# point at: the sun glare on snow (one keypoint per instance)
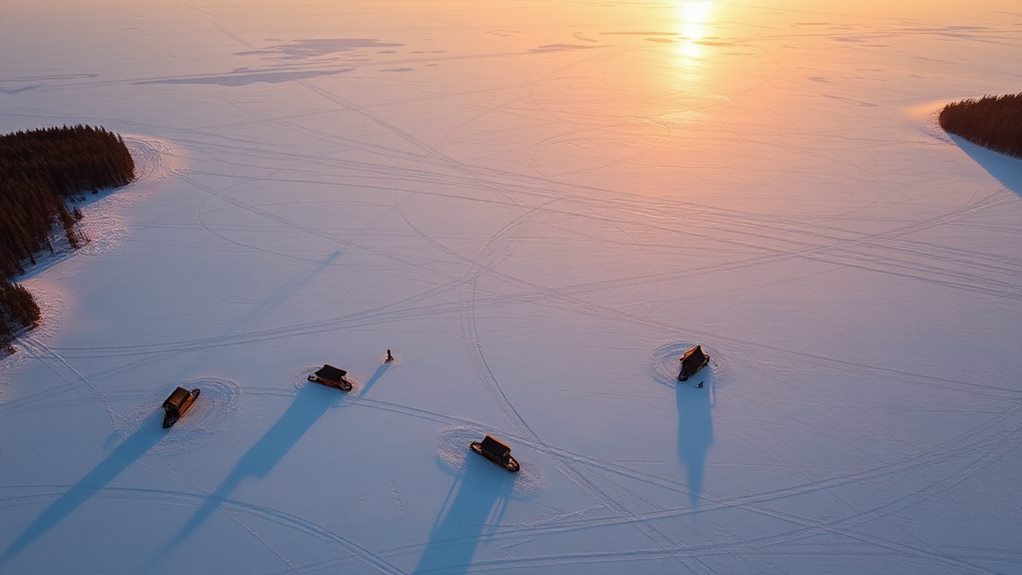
(694, 20)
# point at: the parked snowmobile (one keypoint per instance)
(331, 376)
(179, 402)
(692, 361)
(496, 451)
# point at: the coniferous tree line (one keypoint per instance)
(994, 122)
(39, 171)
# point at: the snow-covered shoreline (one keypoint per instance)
(537, 229)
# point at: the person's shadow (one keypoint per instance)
(374, 378)
(312, 401)
(1006, 169)
(695, 429)
(480, 495)
(130, 450)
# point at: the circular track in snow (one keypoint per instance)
(216, 408)
(455, 457)
(154, 158)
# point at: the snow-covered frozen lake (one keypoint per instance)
(538, 205)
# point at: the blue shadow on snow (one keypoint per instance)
(129, 451)
(480, 495)
(1007, 169)
(312, 401)
(695, 429)
(374, 378)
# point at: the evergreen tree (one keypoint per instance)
(994, 122)
(40, 170)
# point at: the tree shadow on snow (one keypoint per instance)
(238, 329)
(480, 495)
(312, 401)
(260, 311)
(1007, 169)
(695, 429)
(149, 434)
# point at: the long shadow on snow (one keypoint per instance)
(134, 447)
(309, 405)
(695, 429)
(480, 495)
(1007, 169)
(277, 298)
(372, 380)
(260, 311)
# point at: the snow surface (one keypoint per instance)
(537, 205)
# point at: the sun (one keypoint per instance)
(694, 20)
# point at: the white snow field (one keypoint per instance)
(538, 205)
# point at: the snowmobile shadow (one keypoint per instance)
(480, 496)
(1006, 169)
(695, 428)
(130, 450)
(312, 401)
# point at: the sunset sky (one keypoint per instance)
(538, 206)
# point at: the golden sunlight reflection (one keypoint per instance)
(693, 25)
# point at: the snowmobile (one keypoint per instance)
(692, 361)
(179, 402)
(496, 451)
(331, 376)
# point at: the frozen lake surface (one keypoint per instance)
(538, 206)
